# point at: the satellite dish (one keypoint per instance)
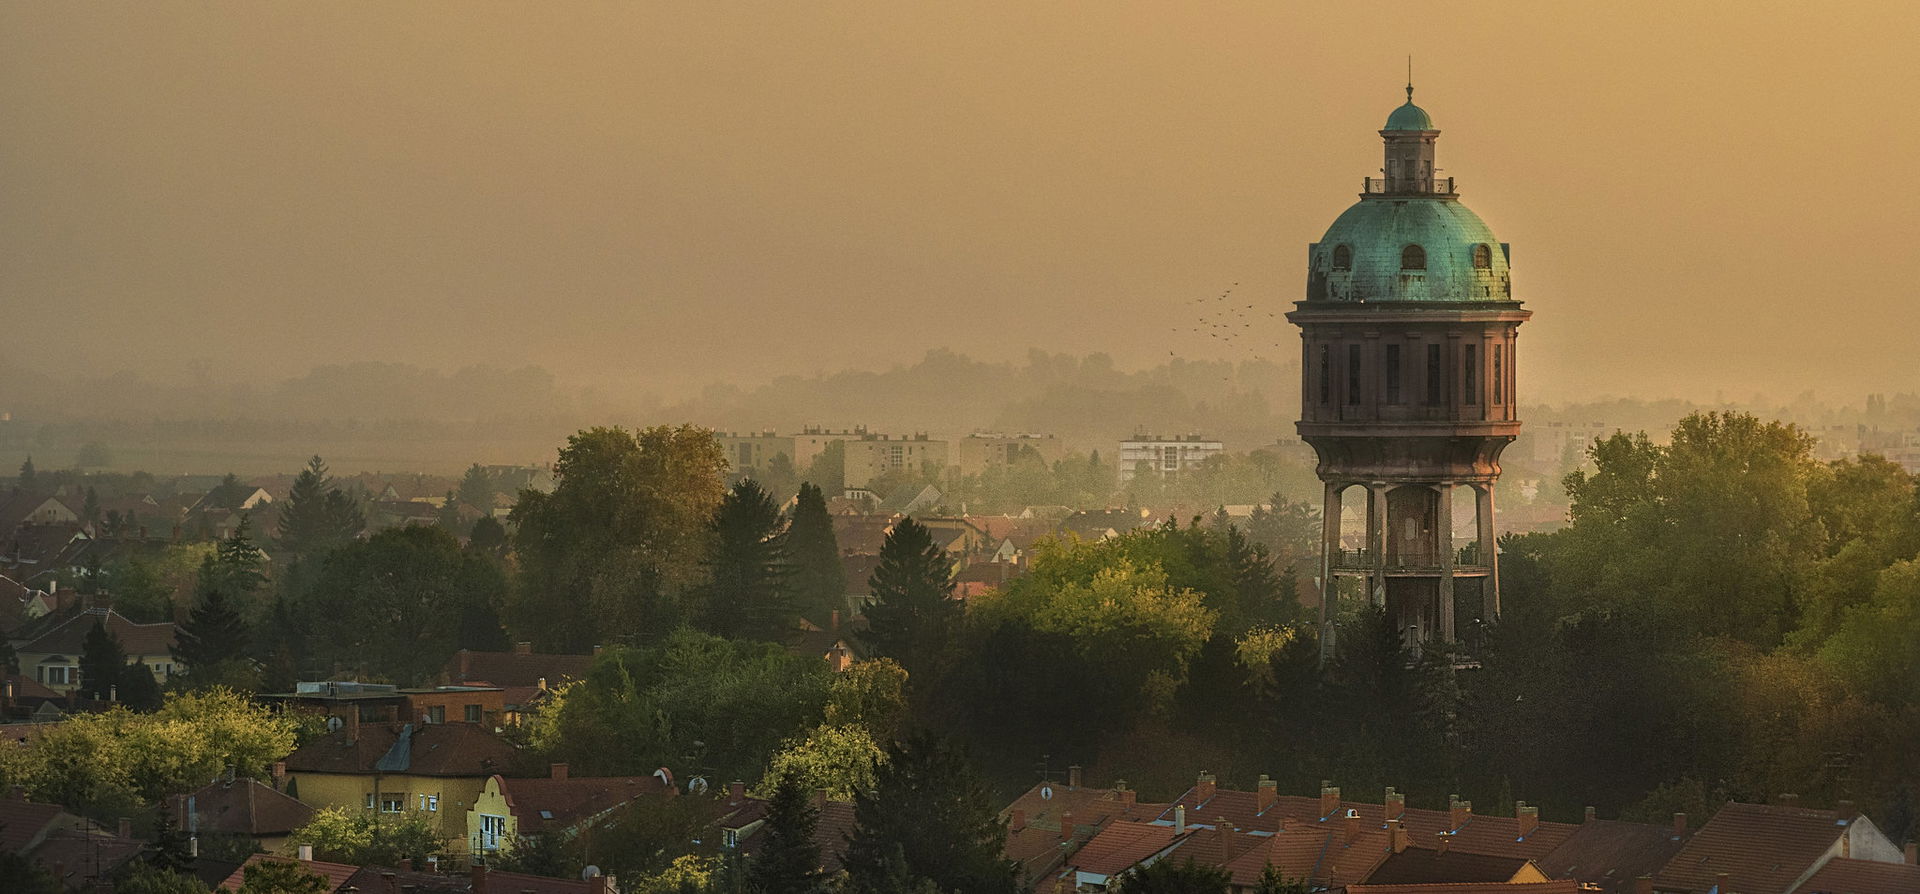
(591, 871)
(1046, 793)
(664, 775)
(697, 785)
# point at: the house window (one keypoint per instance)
(1413, 257)
(473, 713)
(430, 803)
(1353, 374)
(1170, 459)
(57, 675)
(1482, 257)
(1433, 375)
(1342, 258)
(1326, 376)
(437, 714)
(1498, 381)
(393, 803)
(369, 800)
(1470, 374)
(492, 829)
(1393, 374)
(730, 838)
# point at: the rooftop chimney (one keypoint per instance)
(1589, 815)
(1913, 853)
(478, 877)
(1073, 776)
(279, 774)
(1679, 826)
(736, 792)
(1127, 795)
(406, 864)
(1179, 819)
(1066, 825)
(1458, 812)
(1396, 804)
(1266, 793)
(1643, 885)
(125, 828)
(1789, 800)
(1017, 821)
(1203, 788)
(1720, 883)
(351, 723)
(557, 771)
(306, 854)
(1845, 809)
(1440, 845)
(833, 622)
(1353, 825)
(1396, 835)
(523, 648)
(1329, 800)
(1226, 830)
(1529, 818)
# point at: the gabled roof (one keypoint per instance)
(24, 823)
(1421, 866)
(543, 805)
(862, 534)
(336, 874)
(1761, 848)
(1848, 876)
(1321, 856)
(434, 749)
(68, 636)
(247, 807)
(1122, 845)
(1557, 886)
(17, 506)
(1609, 854)
(1479, 834)
(510, 669)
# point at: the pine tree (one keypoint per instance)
(101, 660)
(449, 516)
(913, 613)
(477, 488)
(1168, 877)
(930, 815)
(28, 477)
(748, 596)
(789, 861)
(819, 581)
(306, 523)
(170, 850)
(139, 691)
(235, 566)
(90, 508)
(214, 632)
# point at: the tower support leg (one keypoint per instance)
(1329, 559)
(1489, 553)
(1443, 533)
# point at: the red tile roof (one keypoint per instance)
(434, 749)
(336, 874)
(23, 823)
(514, 669)
(1421, 866)
(1479, 834)
(1608, 854)
(69, 635)
(545, 804)
(1121, 845)
(1846, 876)
(1558, 886)
(1762, 849)
(247, 807)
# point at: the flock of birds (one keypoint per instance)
(1234, 327)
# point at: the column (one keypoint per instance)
(1489, 553)
(1444, 533)
(1377, 542)
(1329, 555)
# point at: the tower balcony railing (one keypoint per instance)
(1468, 558)
(1378, 186)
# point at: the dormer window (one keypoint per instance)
(1482, 257)
(1413, 257)
(1342, 258)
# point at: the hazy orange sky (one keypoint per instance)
(1700, 197)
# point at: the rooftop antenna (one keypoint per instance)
(1409, 78)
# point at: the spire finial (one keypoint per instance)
(1409, 77)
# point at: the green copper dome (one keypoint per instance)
(1409, 117)
(1389, 248)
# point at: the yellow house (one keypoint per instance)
(510, 808)
(394, 769)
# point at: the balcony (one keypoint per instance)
(1377, 186)
(1467, 562)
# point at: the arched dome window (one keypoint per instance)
(1413, 257)
(1482, 257)
(1342, 258)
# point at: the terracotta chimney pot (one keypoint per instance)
(1529, 817)
(523, 648)
(1643, 885)
(1440, 845)
(1266, 793)
(1396, 835)
(557, 771)
(1396, 804)
(1066, 826)
(736, 792)
(1458, 812)
(1203, 788)
(1329, 800)
(1679, 826)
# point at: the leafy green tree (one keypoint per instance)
(788, 861)
(931, 815)
(913, 615)
(1168, 877)
(144, 878)
(477, 488)
(1877, 642)
(840, 760)
(398, 602)
(616, 549)
(340, 835)
(280, 877)
(101, 660)
(449, 516)
(819, 581)
(748, 594)
(488, 536)
(829, 468)
(870, 694)
(1273, 882)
